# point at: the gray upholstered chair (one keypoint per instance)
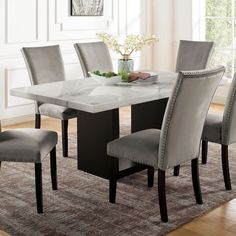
(45, 65)
(221, 129)
(93, 56)
(31, 145)
(179, 139)
(193, 55)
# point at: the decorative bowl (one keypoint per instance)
(106, 80)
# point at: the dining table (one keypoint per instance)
(98, 114)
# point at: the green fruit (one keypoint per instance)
(124, 76)
(110, 74)
(97, 72)
(105, 74)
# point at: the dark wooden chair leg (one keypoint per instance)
(38, 187)
(162, 195)
(225, 166)
(37, 121)
(64, 129)
(196, 181)
(53, 164)
(204, 151)
(150, 174)
(0, 164)
(113, 181)
(176, 170)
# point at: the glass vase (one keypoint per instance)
(125, 64)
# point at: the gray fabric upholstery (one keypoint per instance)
(220, 129)
(213, 128)
(26, 145)
(182, 126)
(185, 116)
(193, 55)
(229, 117)
(141, 147)
(58, 112)
(93, 56)
(45, 65)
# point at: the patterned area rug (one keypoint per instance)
(81, 207)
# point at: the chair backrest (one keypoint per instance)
(93, 56)
(193, 55)
(229, 117)
(44, 64)
(185, 116)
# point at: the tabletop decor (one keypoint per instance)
(132, 43)
(143, 77)
(105, 78)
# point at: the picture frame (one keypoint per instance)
(87, 7)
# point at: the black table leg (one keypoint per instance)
(95, 130)
(148, 115)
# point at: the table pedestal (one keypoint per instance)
(148, 115)
(95, 130)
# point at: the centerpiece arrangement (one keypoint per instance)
(110, 78)
(132, 43)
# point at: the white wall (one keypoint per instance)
(182, 11)
(172, 21)
(162, 12)
(47, 22)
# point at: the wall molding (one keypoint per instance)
(6, 90)
(7, 40)
(62, 26)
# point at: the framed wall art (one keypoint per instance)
(87, 7)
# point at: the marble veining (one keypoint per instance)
(90, 96)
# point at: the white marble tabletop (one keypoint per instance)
(90, 96)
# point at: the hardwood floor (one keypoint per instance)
(3, 233)
(218, 222)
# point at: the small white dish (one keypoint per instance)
(106, 81)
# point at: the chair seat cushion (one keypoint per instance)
(213, 128)
(140, 147)
(26, 145)
(58, 112)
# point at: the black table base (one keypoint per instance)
(148, 115)
(95, 130)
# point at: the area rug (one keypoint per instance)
(81, 207)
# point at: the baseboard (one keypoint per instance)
(17, 120)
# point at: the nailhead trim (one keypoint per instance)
(228, 113)
(183, 75)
